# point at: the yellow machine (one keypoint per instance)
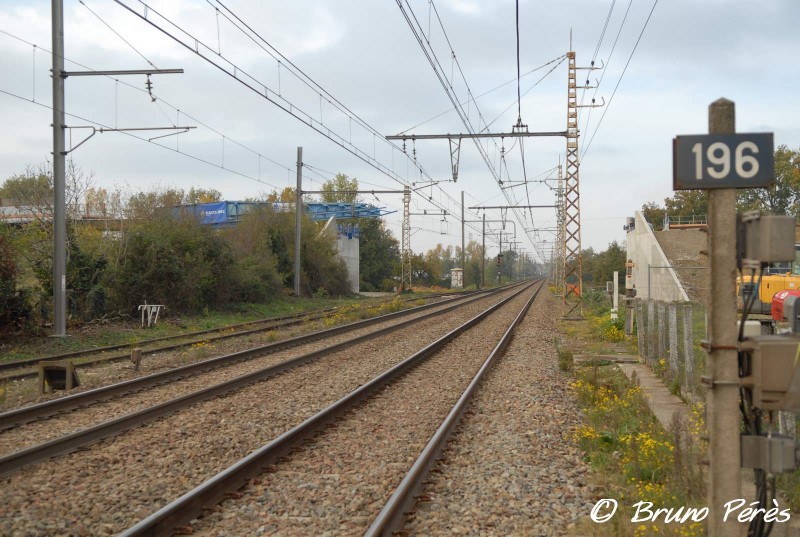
(782, 277)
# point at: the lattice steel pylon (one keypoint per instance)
(560, 232)
(573, 264)
(405, 254)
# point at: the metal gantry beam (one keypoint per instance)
(518, 131)
(512, 207)
(460, 136)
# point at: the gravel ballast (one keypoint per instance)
(341, 480)
(114, 483)
(80, 418)
(513, 468)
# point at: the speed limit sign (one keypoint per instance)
(723, 161)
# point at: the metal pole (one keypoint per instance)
(483, 253)
(59, 198)
(463, 256)
(500, 267)
(298, 220)
(723, 394)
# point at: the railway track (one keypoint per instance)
(26, 369)
(311, 479)
(56, 440)
(123, 479)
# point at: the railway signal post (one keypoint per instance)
(721, 162)
(724, 450)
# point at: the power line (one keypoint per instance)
(561, 58)
(320, 90)
(126, 133)
(594, 55)
(118, 34)
(433, 59)
(605, 69)
(196, 46)
(655, 3)
(474, 99)
(173, 107)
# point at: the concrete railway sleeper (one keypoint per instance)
(84, 437)
(348, 412)
(10, 370)
(16, 417)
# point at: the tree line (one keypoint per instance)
(782, 198)
(125, 250)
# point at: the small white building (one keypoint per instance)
(457, 278)
(347, 246)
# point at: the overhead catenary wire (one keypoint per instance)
(594, 55)
(137, 51)
(474, 99)
(497, 176)
(605, 69)
(173, 107)
(414, 25)
(608, 104)
(126, 133)
(196, 46)
(308, 81)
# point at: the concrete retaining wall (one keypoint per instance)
(650, 276)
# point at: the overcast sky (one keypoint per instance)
(365, 55)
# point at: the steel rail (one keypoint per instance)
(78, 439)
(29, 413)
(16, 364)
(392, 517)
(277, 322)
(213, 490)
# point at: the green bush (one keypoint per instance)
(175, 262)
(14, 302)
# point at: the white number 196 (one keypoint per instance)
(718, 155)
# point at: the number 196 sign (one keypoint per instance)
(723, 161)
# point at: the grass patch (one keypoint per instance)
(633, 456)
(130, 331)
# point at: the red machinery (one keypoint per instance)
(786, 307)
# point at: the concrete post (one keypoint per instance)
(651, 322)
(640, 329)
(662, 331)
(630, 316)
(615, 297)
(688, 349)
(672, 323)
(724, 452)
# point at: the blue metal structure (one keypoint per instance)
(228, 213)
